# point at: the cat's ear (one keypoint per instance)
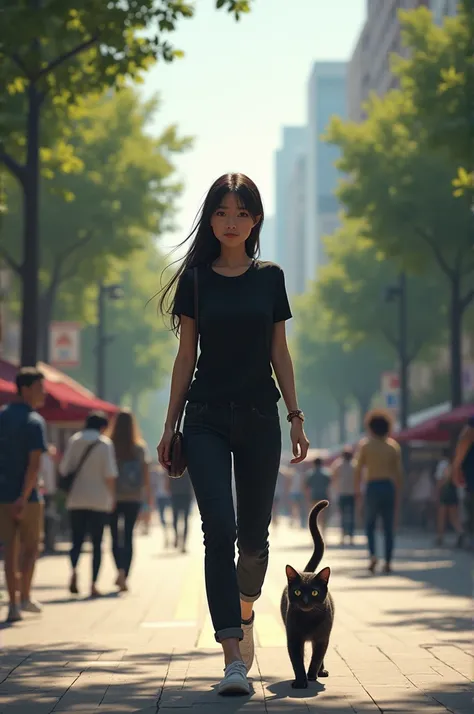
(324, 575)
(292, 574)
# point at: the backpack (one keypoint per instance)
(130, 478)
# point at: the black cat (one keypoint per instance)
(307, 609)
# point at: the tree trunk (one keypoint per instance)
(29, 318)
(456, 341)
(46, 308)
(363, 402)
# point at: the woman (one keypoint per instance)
(232, 404)
(181, 492)
(447, 500)
(343, 482)
(380, 459)
(133, 485)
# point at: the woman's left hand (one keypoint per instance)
(299, 441)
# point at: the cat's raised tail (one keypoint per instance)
(318, 541)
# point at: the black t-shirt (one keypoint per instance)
(236, 319)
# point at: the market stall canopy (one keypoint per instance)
(440, 428)
(66, 399)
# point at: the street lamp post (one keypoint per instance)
(113, 292)
(399, 292)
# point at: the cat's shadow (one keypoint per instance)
(284, 690)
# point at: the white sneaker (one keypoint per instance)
(31, 606)
(235, 679)
(247, 647)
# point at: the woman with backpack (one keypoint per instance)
(133, 481)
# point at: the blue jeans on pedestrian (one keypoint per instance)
(380, 502)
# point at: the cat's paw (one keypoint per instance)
(300, 684)
(311, 676)
(323, 673)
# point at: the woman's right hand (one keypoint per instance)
(163, 448)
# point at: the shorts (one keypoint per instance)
(27, 528)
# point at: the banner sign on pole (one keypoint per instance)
(391, 390)
(64, 347)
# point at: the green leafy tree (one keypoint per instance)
(52, 53)
(402, 189)
(355, 285)
(139, 351)
(331, 373)
(439, 78)
(124, 195)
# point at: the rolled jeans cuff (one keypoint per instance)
(228, 633)
(249, 598)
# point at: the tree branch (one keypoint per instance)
(67, 56)
(438, 254)
(16, 267)
(19, 62)
(12, 165)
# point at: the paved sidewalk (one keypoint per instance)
(401, 643)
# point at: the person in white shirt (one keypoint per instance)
(91, 498)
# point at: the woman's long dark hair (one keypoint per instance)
(125, 435)
(205, 248)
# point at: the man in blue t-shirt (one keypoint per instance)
(22, 441)
(463, 474)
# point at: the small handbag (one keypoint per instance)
(177, 455)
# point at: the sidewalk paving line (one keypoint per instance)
(190, 601)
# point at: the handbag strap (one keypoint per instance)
(196, 342)
(85, 456)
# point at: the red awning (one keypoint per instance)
(438, 429)
(66, 400)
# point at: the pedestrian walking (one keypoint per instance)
(242, 307)
(22, 442)
(297, 498)
(181, 491)
(132, 488)
(161, 489)
(343, 480)
(379, 460)
(317, 489)
(447, 500)
(48, 480)
(463, 473)
(91, 499)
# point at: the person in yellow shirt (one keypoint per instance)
(379, 462)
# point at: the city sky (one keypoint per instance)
(239, 83)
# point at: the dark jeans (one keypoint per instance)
(181, 505)
(469, 508)
(85, 522)
(380, 501)
(347, 509)
(212, 434)
(162, 503)
(50, 526)
(122, 523)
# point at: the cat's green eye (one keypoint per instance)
(315, 593)
(297, 593)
